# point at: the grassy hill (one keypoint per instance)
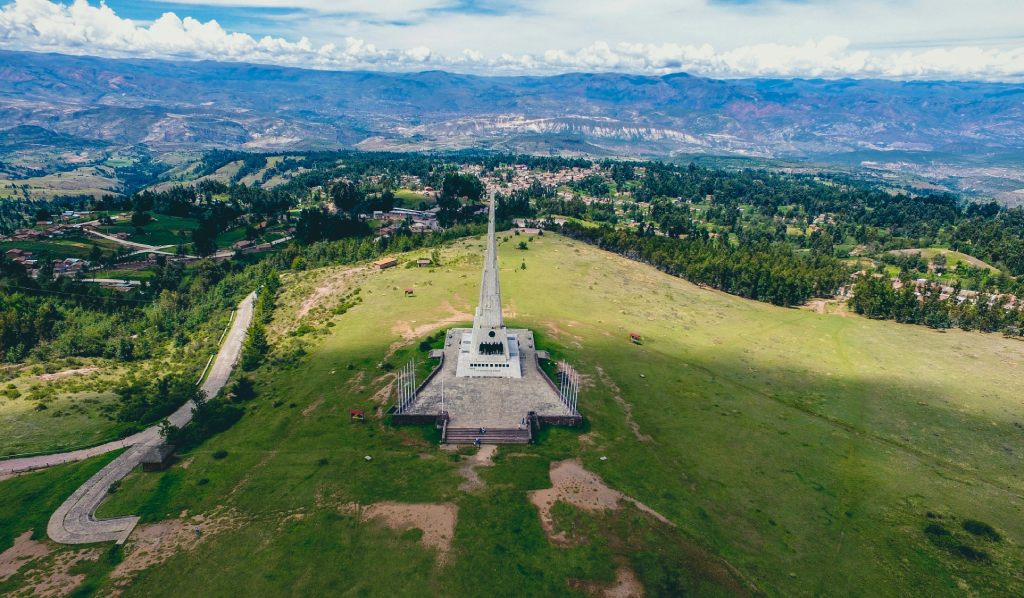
(796, 453)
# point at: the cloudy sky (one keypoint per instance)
(901, 39)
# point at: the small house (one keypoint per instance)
(388, 262)
(409, 292)
(423, 262)
(635, 338)
(158, 457)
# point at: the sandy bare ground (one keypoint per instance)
(55, 578)
(626, 585)
(436, 520)
(154, 543)
(331, 287)
(25, 550)
(67, 374)
(607, 382)
(482, 458)
(574, 485)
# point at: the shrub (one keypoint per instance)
(243, 390)
(981, 529)
(220, 454)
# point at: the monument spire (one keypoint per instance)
(488, 312)
(489, 349)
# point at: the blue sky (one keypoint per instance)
(900, 39)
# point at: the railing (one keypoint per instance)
(569, 388)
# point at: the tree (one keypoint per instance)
(140, 219)
(204, 237)
(255, 347)
(243, 390)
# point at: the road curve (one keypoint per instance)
(75, 521)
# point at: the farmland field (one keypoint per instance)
(816, 454)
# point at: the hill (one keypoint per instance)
(932, 130)
(796, 453)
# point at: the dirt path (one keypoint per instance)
(610, 384)
(483, 458)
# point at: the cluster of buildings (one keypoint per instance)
(420, 221)
(921, 285)
(69, 266)
(519, 176)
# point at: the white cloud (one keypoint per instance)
(84, 28)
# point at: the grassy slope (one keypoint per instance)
(953, 258)
(804, 448)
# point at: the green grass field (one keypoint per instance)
(61, 248)
(407, 198)
(809, 451)
(163, 230)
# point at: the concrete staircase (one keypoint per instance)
(492, 436)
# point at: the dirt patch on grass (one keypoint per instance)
(626, 406)
(154, 543)
(330, 287)
(483, 458)
(56, 578)
(409, 333)
(574, 485)
(312, 406)
(67, 374)
(436, 521)
(25, 549)
(626, 585)
(382, 395)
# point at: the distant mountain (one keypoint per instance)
(169, 105)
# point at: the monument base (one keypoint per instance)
(488, 366)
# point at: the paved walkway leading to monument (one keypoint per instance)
(75, 521)
(489, 402)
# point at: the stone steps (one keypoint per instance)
(492, 436)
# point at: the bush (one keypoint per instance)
(220, 454)
(243, 390)
(981, 529)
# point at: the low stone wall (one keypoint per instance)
(570, 421)
(413, 419)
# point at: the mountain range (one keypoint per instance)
(172, 105)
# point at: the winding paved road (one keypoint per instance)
(75, 521)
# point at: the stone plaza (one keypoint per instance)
(489, 386)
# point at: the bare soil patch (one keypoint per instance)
(436, 520)
(67, 374)
(56, 579)
(154, 543)
(25, 549)
(626, 585)
(574, 485)
(333, 286)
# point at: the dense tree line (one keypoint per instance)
(765, 271)
(875, 297)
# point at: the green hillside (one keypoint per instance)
(796, 453)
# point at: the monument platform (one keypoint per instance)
(494, 403)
